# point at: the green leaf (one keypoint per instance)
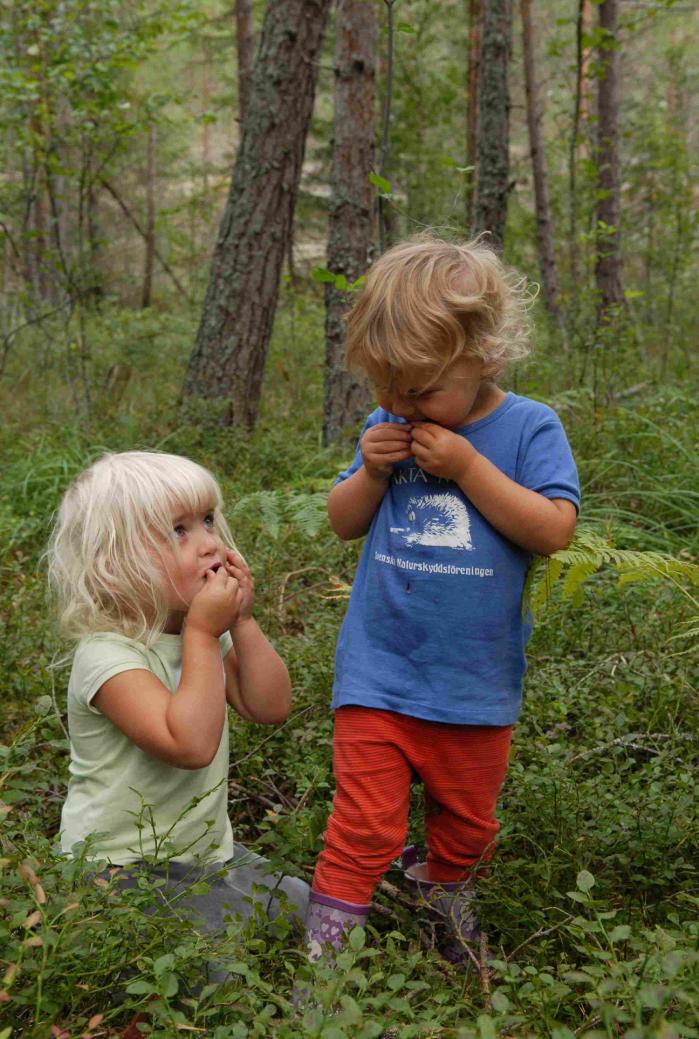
(500, 1002)
(357, 938)
(585, 881)
(163, 963)
(381, 183)
(169, 985)
(140, 987)
(619, 933)
(486, 1027)
(322, 274)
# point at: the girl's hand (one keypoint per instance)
(239, 570)
(383, 445)
(216, 608)
(440, 451)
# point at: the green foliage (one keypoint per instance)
(590, 906)
(601, 784)
(587, 554)
(273, 509)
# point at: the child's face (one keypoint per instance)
(449, 402)
(199, 548)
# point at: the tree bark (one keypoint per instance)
(580, 107)
(475, 29)
(544, 223)
(245, 40)
(149, 258)
(492, 168)
(351, 215)
(608, 269)
(231, 346)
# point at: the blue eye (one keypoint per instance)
(179, 531)
(209, 520)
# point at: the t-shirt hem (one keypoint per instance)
(426, 712)
(557, 492)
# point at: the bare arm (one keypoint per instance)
(352, 503)
(538, 524)
(257, 681)
(258, 687)
(181, 728)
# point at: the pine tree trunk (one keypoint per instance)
(608, 270)
(149, 258)
(351, 215)
(492, 173)
(245, 40)
(231, 346)
(580, 111)
(475, 29)
(544, 223)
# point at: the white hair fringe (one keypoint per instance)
(109, 533)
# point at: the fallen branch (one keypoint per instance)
(630, 740)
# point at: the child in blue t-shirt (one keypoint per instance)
(456, 484)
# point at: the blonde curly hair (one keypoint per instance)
(111, 531)
(428, 302)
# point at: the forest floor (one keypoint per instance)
(590, 910)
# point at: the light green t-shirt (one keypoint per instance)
(137, 804)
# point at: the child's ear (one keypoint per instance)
(491, 369)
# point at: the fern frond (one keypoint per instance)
(304, 513)
(590, 552)
(266, 506)
(307, 512)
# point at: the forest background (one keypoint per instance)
(121, 124)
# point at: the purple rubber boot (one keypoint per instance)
(329, 920)
(452, 904)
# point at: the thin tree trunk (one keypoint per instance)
(350, 226)
(245, 41)
(231, 346)
(475, 29)
(608, 270)
(41, 243)
(149, 258)
(544, 223)
(206, 126)
(579, 111)
(130, 216)
(492, 172)
(384, 218)
(585, 25)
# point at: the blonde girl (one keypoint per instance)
(149, 583)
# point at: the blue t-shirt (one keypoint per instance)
(434, 627)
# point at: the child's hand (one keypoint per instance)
(216, 608)
(440, 451)
(383, 445)
(238, 569)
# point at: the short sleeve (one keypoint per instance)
(546, 464)
(99, 658)
(379, 415)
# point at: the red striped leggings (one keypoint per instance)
(375, 754)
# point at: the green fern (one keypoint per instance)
(564, 572)
(301, 512)
(588, 553)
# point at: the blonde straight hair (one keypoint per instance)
(428, 302)
(111, 530)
